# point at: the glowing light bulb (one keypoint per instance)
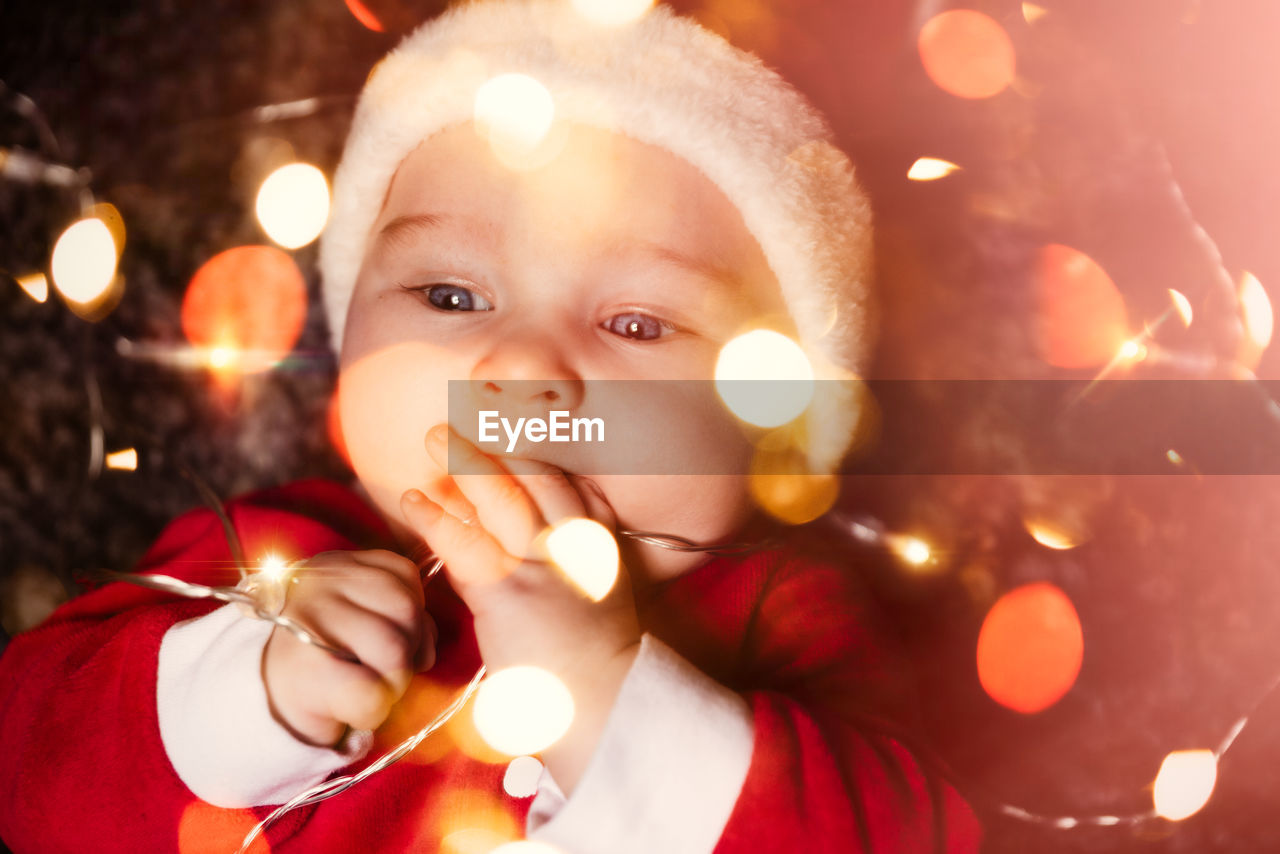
(1132, 351)
(911, 549)
(84, 261)
(293, 205)
(515, 113)
(1183, 306)
(930, 169)
(273, 568)
(612, 13)
(521, 779)
(764, 378)
(126, 460)
(585, 551)
(1185, 783)
(522, 710)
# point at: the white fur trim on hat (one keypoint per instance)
(662, 80)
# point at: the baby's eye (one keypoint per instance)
(637, 326)
(455, 298)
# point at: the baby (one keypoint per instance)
(676, 194)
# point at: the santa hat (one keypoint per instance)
(660, 79)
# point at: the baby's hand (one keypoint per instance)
(369, 603)
(482, 524)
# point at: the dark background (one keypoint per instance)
(1177, 584)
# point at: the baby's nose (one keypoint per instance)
(520, 373)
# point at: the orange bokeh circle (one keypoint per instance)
(251, 300)
(1030, 648)
(1082, 318)
(967, 54)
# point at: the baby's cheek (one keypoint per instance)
(387, 400)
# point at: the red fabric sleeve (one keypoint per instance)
(80, 747)
(826, 774)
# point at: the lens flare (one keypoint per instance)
(1082, 318)
(522, 710)
(246, 307)
(126, 460)
(1185, 783)
(521, 779)
(930, 169)
(515, 113)
(84, 261)
(585, 551)
(1030, 648)
(967, 54)
(293, 205)
(612, 13)
(764, 378)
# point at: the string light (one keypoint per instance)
(1194, 770)
(126, 460)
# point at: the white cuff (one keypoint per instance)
(215, 723)
(667, 771)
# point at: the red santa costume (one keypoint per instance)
(755, 719)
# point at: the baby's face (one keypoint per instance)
(614, 261)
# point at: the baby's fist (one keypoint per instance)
(369, 603)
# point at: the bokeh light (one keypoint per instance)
(521, 779)
(912, 551)
(930, 169)
(1259, 319)
(470, 821)
(764, 378)
(1185, 783)
(782, 486)
(522, 710)
(515, 113)
(585, 551)
(367, 19)
(1051, 534)
(204, 828)
(1032, 12)
(1182, 305)
(84, 261)
(1082, 317)
(36, 286)
(126, 460)
(1030, 648)
(246, 307)
(967, 54)
(612, 13)
(526, 846)
(473, 840)
(293, 205)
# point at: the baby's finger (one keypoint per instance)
(400, 567)
(502, 505)
(470, 554)
(445, 492)
(554, 495)
(384, 648)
